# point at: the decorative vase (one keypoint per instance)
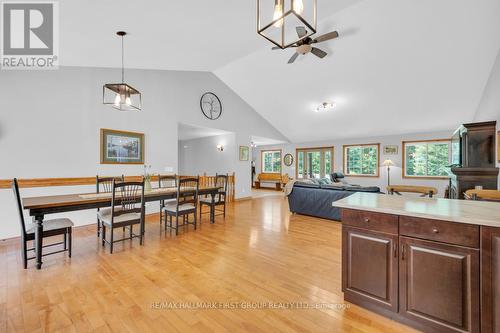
(147, 185)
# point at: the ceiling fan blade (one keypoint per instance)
(319, 53)
(293, 58)
(325, 37)
(301, 31)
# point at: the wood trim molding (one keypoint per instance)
(360, 145)
(403, 166)
(48, 182)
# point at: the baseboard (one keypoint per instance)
(243, 199)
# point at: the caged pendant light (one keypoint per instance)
(121, 96)
(279, 21)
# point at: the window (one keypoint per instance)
(361, 160)
(428, 159)
(271, 161)
(314, 162)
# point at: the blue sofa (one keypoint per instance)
(316, 199)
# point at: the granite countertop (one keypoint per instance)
(461, 211)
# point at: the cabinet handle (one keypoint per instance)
(435, 230)
(367, 219)
(402, 252)
(395, 250)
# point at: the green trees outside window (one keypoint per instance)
(426, 159)
(271, 161)
(362, 160)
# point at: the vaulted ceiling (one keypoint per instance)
(399, 66)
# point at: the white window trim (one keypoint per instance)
(262, 164)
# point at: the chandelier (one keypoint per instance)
(278, 20)
(121, 96)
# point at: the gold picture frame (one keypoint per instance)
(121, 147)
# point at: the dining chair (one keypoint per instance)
(166, 181)
(127, 210)
(482, 195)
(104, 185)
(186, 203)
(221, 182)
(55, 227)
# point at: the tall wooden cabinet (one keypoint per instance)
(422, 272)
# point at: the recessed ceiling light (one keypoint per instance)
(326, 106)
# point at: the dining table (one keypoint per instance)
(40, 206)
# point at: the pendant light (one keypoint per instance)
(121, 96)
(286, 22)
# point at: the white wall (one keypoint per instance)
(396, 170)
(489, 108)
(197, 156)
(50, 121)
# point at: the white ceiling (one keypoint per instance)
(178, 35)
(400, 66)
(189, 132)
(261, 141)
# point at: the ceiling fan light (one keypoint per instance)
(326, 106)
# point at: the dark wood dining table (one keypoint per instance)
(38, 207)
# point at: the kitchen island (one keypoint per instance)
(433, 264)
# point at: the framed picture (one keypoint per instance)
(391, 150)
(120, 147)
(244, 153)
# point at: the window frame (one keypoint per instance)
(344, 159)
(323, 150)
(403, 169)
(262, 152)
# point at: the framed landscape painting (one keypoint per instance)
(120, 147)
(391, 150)
(244, 153)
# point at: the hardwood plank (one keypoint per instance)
(259, 253)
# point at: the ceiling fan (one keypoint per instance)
(304, 46)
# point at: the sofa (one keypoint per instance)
(315, 199)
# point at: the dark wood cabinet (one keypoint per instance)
(473, 158)
(439, 285)
(370, 267)
(434, 275)
(490, 279)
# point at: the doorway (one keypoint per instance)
(314, 162)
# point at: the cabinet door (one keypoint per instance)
(370, 268)
(439, 285)
(490, 279)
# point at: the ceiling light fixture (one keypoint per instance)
(326, 106)
(277, 20)
(121, 96)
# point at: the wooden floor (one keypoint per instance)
(239, 275)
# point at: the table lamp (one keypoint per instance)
(388, 164)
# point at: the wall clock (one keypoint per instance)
(211, 106)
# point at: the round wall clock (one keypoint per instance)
(211, 106)
(288, 160)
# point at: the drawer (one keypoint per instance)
(440, 231)
(370, 220)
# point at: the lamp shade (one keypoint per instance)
(388, 163)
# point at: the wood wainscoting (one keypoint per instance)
(77, 181)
